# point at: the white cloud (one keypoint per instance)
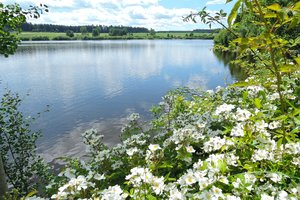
(215, 2)
(142, 13)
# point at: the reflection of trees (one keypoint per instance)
(236, 71)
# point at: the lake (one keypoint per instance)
(97, 84)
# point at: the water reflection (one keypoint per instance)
(88, 83)
(235, 70)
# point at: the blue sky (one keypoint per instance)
(157, 14)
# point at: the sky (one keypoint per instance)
(157, 14)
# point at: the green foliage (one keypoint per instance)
(83, 30)
(18, 160)
(70, 33)
(61, 38)
(224, 37)
(96, 32)
(11, 18)
(39, 38)
(23, 167)
(152, 32)
(201, 145)
(117, 31)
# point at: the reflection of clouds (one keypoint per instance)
(197, 81)
(176, 83)
(111, 63)
(79, 79)
(71, 144)
(142, 60)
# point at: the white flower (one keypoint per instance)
(154, 147)
(224, 180)
(274, 125)
(210, 92)
(229, 197)
(274, 96)
(260, 154)
(282, 195)
(79, 183)
(293, 148)
(187, 179)
(266, 197)
(214, 144)
(157, 185)
(296, 161)
(133, 117)
(261, 125)
(254, 90)
(131, 151)
(237, 131)
(242, 115)
(275, 177)
(224, 108)
(190, 149)
(176, 195)
(237, 183)
(216, 192)
(113, 193)
(99, 177)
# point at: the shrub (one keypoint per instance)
(70, 33)
(221, 144)
(23, 167)
(62, 38)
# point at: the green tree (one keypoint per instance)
(11, 18)
(83, 30)
(152, 32)
(118, 31)
(96, 32)
(23, 167)
(70, 33)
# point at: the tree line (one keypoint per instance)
(29, 27)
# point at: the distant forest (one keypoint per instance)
(29, 27)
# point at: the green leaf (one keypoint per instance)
(165, 165)
(151, 197)
(294, 22)
(279, 142)
(32, 193)
(270, 15)
(234, 12)
(288, 68)
(222, 165)
(297, 121)
(297, 6)
(275, 7)
(241, 84)
(297, 59)
(228, 1)
(257, 103)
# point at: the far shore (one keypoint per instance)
(56, 36)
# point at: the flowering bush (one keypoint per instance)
(232, 143)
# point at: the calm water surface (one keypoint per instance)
(96, 84)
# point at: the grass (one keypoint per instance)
(78, 36)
